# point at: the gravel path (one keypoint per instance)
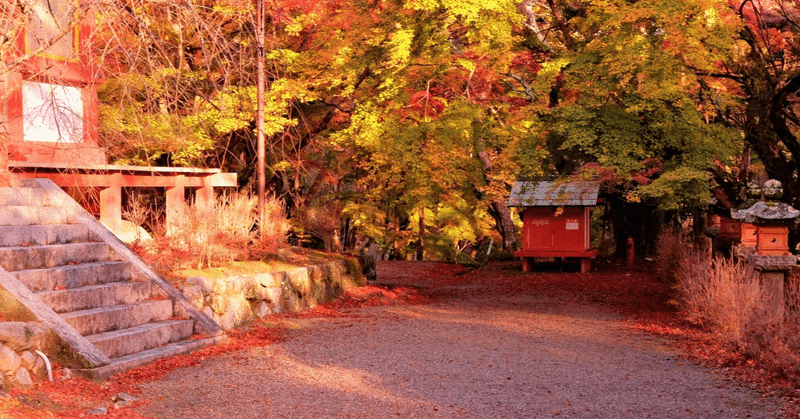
(473, 353)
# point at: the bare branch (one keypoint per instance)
(533, 25)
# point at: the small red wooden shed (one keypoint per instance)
(556, 220)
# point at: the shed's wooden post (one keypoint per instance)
(586, 265)
(527, 264)
(176, 204)
(111, 203)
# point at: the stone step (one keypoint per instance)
(26, 197)
(124, 363)
(41, 235)
(104, 319)
(139, 338)
(94, 296)
(18, 215)
(18, 258)
(74, 276)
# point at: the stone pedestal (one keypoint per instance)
(742, 252)
(773, 271)
(772, 283)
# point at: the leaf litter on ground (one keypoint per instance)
(638, 295)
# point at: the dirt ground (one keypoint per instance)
(443, 341)
(489, 343)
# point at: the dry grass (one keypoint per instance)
(229, 232)
(236, 216)
(273, 228)
(727, 298)
(136, 211)
(139, 212)
(777, 343)
(723, 295)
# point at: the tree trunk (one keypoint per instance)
(499, 210)
(261, 86)
(744, 173)
(421, 248)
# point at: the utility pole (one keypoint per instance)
(262, 181)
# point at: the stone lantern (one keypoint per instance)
(770, 227)
(765, 225)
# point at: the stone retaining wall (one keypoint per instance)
(18, 360)
(230, 301)
(236, 300)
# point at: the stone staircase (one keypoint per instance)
(76, 271)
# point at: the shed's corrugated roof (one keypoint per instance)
(548, 194)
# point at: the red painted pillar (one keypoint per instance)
(10, 121)
(5, 135)
(5, 175)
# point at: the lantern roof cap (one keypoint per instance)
(766, 212)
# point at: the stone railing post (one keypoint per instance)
(176, 205)
(111, 203)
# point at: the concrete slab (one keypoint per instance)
(104, 319)
(124, 363)
(139, 338)
(19, 258)
(40, 235)
(74, 276)
(18, 215)
(94, 296)
(15, 196)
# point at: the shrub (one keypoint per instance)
(672, 248)
(323, 223)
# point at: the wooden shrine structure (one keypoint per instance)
(556, 219)
(49, 120)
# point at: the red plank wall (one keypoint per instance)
(551, 228)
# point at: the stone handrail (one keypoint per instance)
(18, 298)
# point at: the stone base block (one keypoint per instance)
(772, 262)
